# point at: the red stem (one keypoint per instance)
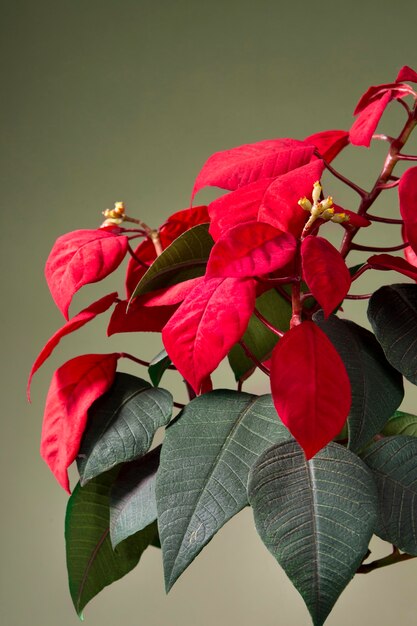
(345, 180)
(253, 358)
(357, 246)
(385, 220)
(264, 321)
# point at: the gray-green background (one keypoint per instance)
(124, 100)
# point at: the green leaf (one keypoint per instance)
(121, 425)
(401, 424)
(377, 388)
(258, 338)
(205, 462)
(92, 564)
(316, 517)
(184, 258)
(392, 312)
(393, 461)
(132, 498)
(158, 366)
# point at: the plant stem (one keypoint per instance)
(264, 321)
(253, 358)
(385, 220)
(357, 246)
(345, 180)
(385, 175)
(395, 557)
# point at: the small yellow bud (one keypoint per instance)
(305, 204)
(340, 218)
(316, 191)
(327, 203)
(327, 214)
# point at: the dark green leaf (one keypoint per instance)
(184, 258)
(121, 425)
(316, 517)
(392, 312)
(132, 498)
(257, 337)
(205, 462)
(393, 462)
(158, 366)
(401, 424)
(92, 564)
(377, 388)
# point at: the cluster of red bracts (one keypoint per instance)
(260, 240)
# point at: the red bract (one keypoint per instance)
(310, 386)
(74, 388)
(246, 164)
(170, 295)
(76, 322)
(279, 206)
(329, 143)
(407, 191)
(212, 318)
(406, 74)
(252, 249)
(371, 107)
(79, 258)
(325, 272)
(389, 262)
(175, 225)
(137, 318)
(237, 207)
(364, 127)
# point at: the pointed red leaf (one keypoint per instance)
(325, 272)
(406, 74)
(377, 92)
(79, 258)
(76, 322)
(365, 125)
(175, 225)
(212, 318)
(169, 295)
(329, 142)
(246, 164)
(237, 207)
(251, 249)
(183, 220)
(395, 263)
(407, 191)
(279, 206)
(134, 317)
(74, 388)
(310, 386)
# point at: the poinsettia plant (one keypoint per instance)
(325, 459)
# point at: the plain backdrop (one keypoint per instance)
(124, 100)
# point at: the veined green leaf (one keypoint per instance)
(186, 257)
(316, 517)
(92, 564)
(393, 462)
(132, 497)
(121, 425)
(377, 388)
(401, 424)
(158, 366)
(258, 338)
(205, 462)
(392, 312)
